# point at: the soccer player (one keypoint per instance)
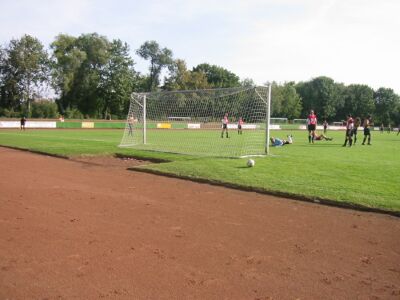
(240, 123)
(130, 125)
(325, 124)
(225, 123)
(357, 124)
(367, 134)
(311, 126)
(276, 142)
(321, 137)
(22, 122)
(349, 131)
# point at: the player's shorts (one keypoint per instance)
(349, 132)
(366, 131)
(224, 126)
(311, 127)
(239, 126)
(354, 131)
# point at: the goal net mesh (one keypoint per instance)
(190, 122)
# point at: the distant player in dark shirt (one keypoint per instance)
(325, 124)
(367, 134)
(23, 121)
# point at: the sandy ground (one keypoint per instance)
(78, 230)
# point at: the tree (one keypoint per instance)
(159, 59)
(358, 101)
(291, 103)
(182, 79)
(276, 100)
(44, 109)
(247, 82)
(93, 74)
(24, 71)
(87, 79)
(218, 77)
(387, 106)
(321, 94)
(9, 90)
(67, 59)
(117, 80)
(285, 102)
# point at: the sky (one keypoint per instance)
(351, 41)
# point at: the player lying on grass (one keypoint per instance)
(276, 142)
(321, 137)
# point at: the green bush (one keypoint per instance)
(73, 113)
(44, 109)
(9, 113)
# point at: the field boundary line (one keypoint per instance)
(36, 152)
(290, 196)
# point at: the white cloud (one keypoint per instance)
(43, 19)
(350, 41)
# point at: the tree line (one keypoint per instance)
(93, 77)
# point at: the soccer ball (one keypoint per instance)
(251, 163)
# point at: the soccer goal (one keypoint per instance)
(278, 121)
(299, 121)
(191, 122)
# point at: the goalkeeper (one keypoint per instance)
(225, 122)
(276, 142)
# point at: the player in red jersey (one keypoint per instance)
(225, 123)
(311, 126)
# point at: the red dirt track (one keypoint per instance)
(75, 230)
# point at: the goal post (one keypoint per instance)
(190, 122)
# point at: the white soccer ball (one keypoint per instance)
(251, 163)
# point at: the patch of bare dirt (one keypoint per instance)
(79, 230)
(111, 161)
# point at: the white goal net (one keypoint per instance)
(194, 123)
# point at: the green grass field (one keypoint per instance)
(365, 176)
